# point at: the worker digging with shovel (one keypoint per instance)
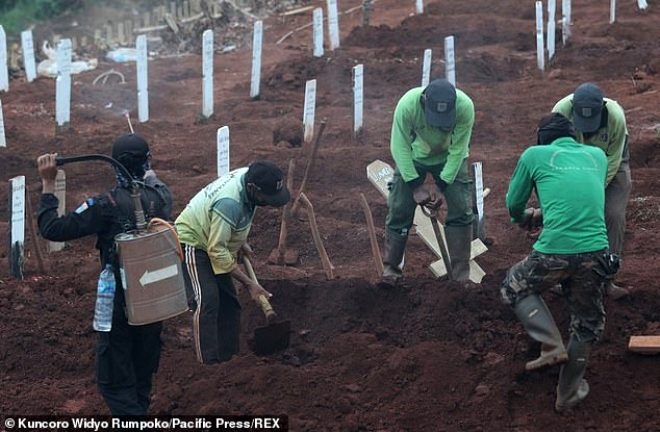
(213, 229)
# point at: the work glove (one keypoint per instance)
(428, 196)
(532, 219)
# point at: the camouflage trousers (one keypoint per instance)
(582, 287)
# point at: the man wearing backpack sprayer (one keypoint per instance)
(127, 356)
(431, 132)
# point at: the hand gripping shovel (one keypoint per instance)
(275, 335)
(432, 213)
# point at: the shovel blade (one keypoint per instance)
(272, 338)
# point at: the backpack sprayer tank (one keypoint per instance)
(149, 262)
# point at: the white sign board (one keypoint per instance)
(477, 169)
(28, 55)
(3, 141)
(552, 9)
(318, 32)
(142, 78)
(60, 193)
(426, 68)
(358, 97)
(222, 143)
(333, 24)
(309, 110)
(257, 40)
(207, 73)
(63, 83)
(612, 11)
(450, 62)
(17, 222)
(540, 55)
(642, 4)
(419, 6)
(4, 71)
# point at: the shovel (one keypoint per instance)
(432, 213)
(275, 335)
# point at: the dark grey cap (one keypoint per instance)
(269, 179)
(587, 107)
(440, 104)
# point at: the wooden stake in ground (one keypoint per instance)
(33, 234)
(327, 265)
(281, 254)
(375, 250)
(308, 168)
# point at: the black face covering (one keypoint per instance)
(554, 126)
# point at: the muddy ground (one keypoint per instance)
(429, 356)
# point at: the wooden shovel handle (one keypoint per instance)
(263, 302)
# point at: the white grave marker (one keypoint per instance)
(552, 9)
(642, 4)
(419, 6)
(28, 55)
(540, 54)
(4, 71)
(565, 20)
(17, 226)
(309, 110)
(318, 32)
(142, 78)
(222, 142)
(207, 73)
(333, 24)
(60, 193)
(63, 83)
(257, 40)
(612, 11)
(426, 68)
(358, 98)
(3, 141)
(477, 169)
(450, 62)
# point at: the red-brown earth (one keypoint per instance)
(429, 356)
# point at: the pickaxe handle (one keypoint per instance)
(433, 215)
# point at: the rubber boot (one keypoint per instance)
(616, 292)
(572, 387)
(393, 250)
(459, 242)
(540, 325)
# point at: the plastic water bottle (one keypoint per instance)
(105, 298)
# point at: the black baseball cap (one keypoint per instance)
(440, 104)
(130, 145)
(269, 179)
(587, 107)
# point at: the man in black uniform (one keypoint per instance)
(127, 356)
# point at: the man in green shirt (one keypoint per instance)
(213, 228)
(601, 122)
(431, 132)
(567, 179)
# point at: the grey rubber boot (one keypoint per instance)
(572, 387)
(459, 242)
(535, 316)
(393, 250)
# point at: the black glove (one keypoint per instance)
(427, 195)
(532, 219)
(607, 265)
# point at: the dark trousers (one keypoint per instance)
(217, 311)
(126, 359)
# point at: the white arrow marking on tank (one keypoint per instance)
(158, 275)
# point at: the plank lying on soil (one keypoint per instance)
(644, 344)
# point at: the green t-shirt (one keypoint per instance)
(569, 181)
(414, 140)
(611, 139)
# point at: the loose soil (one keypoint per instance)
(429, 356)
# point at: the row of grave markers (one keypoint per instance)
(63, 96)
(566, 26)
